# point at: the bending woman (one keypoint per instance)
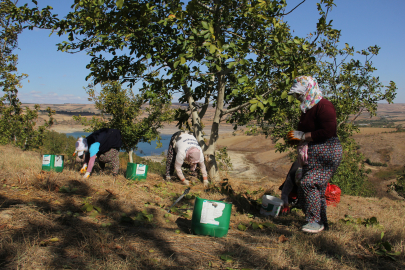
(184, 147)
(317, 127)
(103, 144)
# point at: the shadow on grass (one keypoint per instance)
(85, 241)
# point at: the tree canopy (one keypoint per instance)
(212, 53)
(138, 119)
(238, 56)
(17, 124)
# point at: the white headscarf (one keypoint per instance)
(81, 146)
(307, 87)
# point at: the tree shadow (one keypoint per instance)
(83, 242)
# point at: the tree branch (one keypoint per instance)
(224, 112)
(205, 6)
(357, 115)
(292, 9)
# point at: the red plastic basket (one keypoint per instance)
(332, 194)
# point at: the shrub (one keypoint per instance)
(351, 175)
(378, 164)
(57, 144)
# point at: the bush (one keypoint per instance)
(57, 144)
(378, 164)
(351, 175)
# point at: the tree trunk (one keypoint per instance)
(198, 132)
(130, 156)
(212, 144)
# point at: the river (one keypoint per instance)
(144, 149)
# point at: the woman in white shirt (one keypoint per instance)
(184, 147)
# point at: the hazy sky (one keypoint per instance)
(57, 77)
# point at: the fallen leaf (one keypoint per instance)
(226, 258)
(282, 238)
(241, 227)
(55, 239)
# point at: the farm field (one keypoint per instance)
(388, 115)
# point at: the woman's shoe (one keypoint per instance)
(312, 227)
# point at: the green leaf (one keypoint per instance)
(242, 61)
(231, 64)
(252, 109)
(176, 64)
(212, 48)
(387, 245)
(182, 60)
(243, 79)
(269, 225)
(253, 101)
(226, 258)
(120, 3)
(260, 105)
(211, 29)
(284, 94)
(242, 227)
(373, 220)
(148, 56)
(205, 24)
(255, 226)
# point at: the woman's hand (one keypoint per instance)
(308, 137)
(295, 135)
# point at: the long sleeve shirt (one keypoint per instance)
(320, 120)
(185, 142)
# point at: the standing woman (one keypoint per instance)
(317, 127)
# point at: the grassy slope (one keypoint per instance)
(43, 225)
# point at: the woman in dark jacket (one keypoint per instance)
(103, 144)
(317, 127)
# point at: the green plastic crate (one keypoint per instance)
(211, 217)
(52, 163)
(136, 171)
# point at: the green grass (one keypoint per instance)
(389, 173)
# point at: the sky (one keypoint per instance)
(58, 77)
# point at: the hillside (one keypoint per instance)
(388, 114)
(60, 221)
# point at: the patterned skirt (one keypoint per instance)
(323, 160)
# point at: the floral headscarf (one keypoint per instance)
(308, 87)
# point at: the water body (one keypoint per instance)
(144, 149)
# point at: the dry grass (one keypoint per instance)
(43, 225)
